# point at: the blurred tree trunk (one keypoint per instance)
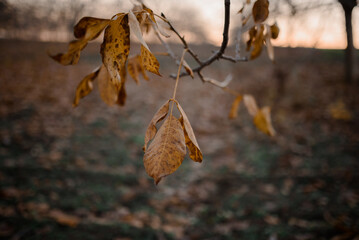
(348, 6)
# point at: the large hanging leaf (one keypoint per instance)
(116, 47)
(260, 11)
(85, 87)
(151, 129)
(167, 150)
(194, 151)
(86, 29)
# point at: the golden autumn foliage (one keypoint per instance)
(164, 148)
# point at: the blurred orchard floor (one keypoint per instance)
(77, 173)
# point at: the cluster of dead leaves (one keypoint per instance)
(115, 50)
(261, 116)
(259, 32)
(167, 150)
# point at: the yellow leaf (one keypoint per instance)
(263, 121)
(274, 29)
(149, 61)
(151, 129)
(116, 47)
(235, 105)
(121, 100)
(258, 43)
(64, 218)
(167, 150)
(135, 67)
(72, 55)
(194, 151)
(339, 110)
(90, 27)
(108, 91)
(158, 28)
(86, 30)
(250, 104)
(260, 11)
(85, 87)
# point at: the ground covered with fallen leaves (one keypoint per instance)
(77, 173)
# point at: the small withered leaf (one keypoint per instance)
(263, 121)
(260, 11)
(85, 86)
(109, 92)
(86, 30)
(151, 129)
(167, 150)
(194, 151)
(149, 61)
(116, 47)
(135, 68)
(136, 29)
(72, 56)
(234, 108)
(258, 43)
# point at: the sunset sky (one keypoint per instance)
(320, 29)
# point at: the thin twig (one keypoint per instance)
(195, 57)
(177, 79)
(218, 54)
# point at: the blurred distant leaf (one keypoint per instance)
(63, 218)
(260, 11)
(339, 110)
(167, 150)
(235, 105)
(263, 121)
(257, 43)
(250, 104)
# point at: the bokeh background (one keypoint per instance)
(77, 173)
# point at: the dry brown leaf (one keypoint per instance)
(188, 68)
(108, 91)
(85, 87)
(167, 150)
(258, 43)
(90, 26)
(158, 28)
(149, 61)
(136, 29)
(86, 30)
(135, 67)
(274, 29)
(252, 34)
(151, 129)
(235, 105)
(64, 218)
(72, 55)
(250, 104)
(194, 151)
(260, 11)
(116, 47)
(263, 121)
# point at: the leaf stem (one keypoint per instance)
(177, 79)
